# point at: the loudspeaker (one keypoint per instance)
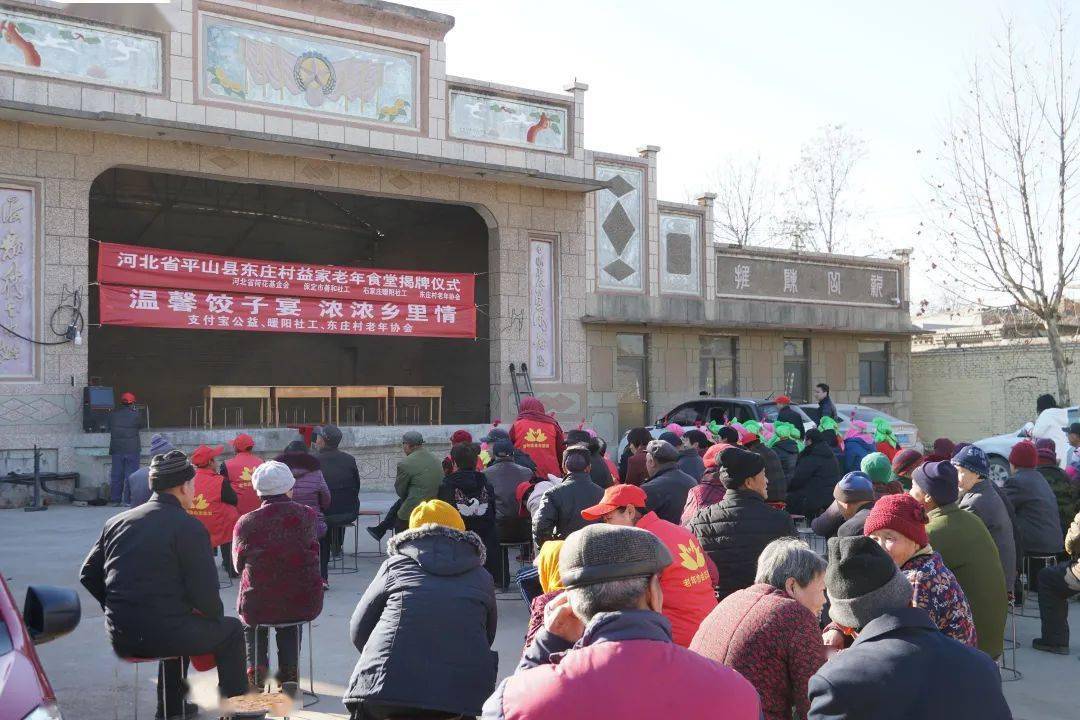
(98, 402)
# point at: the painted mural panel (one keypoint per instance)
(680, 254)
(18, 243)
(253, 63)
(541, 309)
(79, 50)
(494, 119)
(618, 228)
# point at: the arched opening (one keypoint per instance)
(168, 368)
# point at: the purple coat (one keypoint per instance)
(276, 553)
(310, 488)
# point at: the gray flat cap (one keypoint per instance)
(662, 451)
(412, 438)
(600, 553)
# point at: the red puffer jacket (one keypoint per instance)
(632, 649)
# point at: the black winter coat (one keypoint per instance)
(690, 462)
(124, 425)
(816, 474)
(559, 513)
(425, 625)
(774, 471)
(788, 452)
(734, 531)
(470, 492)
(789, 415)
(900, 667)
(854, 526)
(666, 492)
(150, 569)
(343, 478)
(599, 472)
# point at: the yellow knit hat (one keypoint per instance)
(438, 512)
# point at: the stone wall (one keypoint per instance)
(968, 393)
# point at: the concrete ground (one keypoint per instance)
(91, 684)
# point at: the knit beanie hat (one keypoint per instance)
(944, 448)
(877, 467)
(576, 458)
(662, 451)
(1024, 455)
(170, 470)
(905, 462)
(670, 438)
(740, 466)
(272, 478)
(461, 436)
(502, 449)
(938, 480)
(1046, 451)
(159, 445)
(854, 487)
(600, 552)
(901, 513)
(863, 582)
(974, 459)
(435, 512)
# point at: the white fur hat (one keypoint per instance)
(272, 478)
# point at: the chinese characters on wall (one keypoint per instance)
(541, 310)
(796, 280)
(17, 291)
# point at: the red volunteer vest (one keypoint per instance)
(537, 439)
(218, 517)
(240, 469)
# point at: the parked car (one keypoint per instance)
(703, 410)
(48, 613)
(906, 433)
(1049, 424)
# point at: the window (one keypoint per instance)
(717, 364)
(797, 369)
(687, 414)
(874, 369)
(631, 378)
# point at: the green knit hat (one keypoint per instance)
(878, 467)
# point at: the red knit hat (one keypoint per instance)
(461, 436)
(905, 462)
(901, 513)
(1047, 451)
(1024, 455)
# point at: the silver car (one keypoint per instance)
(906, 433)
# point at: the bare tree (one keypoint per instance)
(822, 189)
(744, 199)
(1006, 195)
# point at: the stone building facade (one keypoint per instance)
(580, 250)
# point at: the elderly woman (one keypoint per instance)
(311, 490)
(769, 631)
(425, 624)
(898, 524)
(547, 570)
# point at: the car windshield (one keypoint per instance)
(769, 411)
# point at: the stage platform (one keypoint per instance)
(377, 449)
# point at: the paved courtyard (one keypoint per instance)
(48, 548)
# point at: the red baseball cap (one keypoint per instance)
(204, 454)
(127, 398)
(615, 497)
(243, 442)
(783, 400)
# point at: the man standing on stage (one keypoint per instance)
(124, 447)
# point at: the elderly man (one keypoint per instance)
(667, 485)
(139, 481)
(980, 497)
(900, 665)
(785, 413)
(418, 478)
(343, 480)
(735, 530)
(154, 575)
(559, 512)
(506, 475)
(616, 655)
(688, 581)
(966, 548)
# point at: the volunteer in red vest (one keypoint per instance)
(214, 504)
(537, 433)
(238, 470)
(688, 582)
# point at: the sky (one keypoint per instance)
(717, 79)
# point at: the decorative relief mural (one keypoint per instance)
(541, 309)
(79, 50)
(680, 254)
(249, 62)
(18, 243)
(618, 228)
(494, 119)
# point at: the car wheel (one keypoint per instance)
(999, 470)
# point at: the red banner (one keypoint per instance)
(138, 266)
(196, 310)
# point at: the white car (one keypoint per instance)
(906, 433)
(1049, 424)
